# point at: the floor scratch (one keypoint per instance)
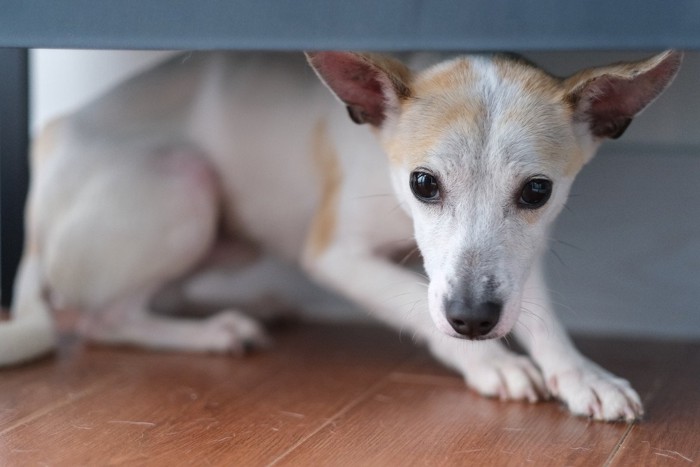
(131, 422)
(57, 405)
(618, 446)
(671, 454)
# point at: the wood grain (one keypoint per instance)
(670, 434)
(419, 424)
(328, 395)
(161, 407)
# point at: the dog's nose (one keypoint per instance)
(473, 321)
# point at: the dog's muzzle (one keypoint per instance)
(473, 321)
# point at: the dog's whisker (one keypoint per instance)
(379, 195)
(414, 306)
(528, 312)
(408, 256)
(527, 329)
(570, 245)
(506, 340)
(556, 255)
(396, 208)
(541, 306)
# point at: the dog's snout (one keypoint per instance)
(473, 320)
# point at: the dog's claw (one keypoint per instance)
(508, 377)
(234, 333)
(590, 391)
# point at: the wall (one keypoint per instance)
(626, 253)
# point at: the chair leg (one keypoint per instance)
(14, 166)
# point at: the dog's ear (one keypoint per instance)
(607, 98)
(371, 86)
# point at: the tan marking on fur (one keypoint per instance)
(32, 248)
(44, 145)
(396, 71)
(534, 80)
(414, 150)
(627, 70)
(41, 149)
(575, 163)
(440, 104)
(327, 164)
(531, 216)
(436, 105)
(443, 79)
(552, 93)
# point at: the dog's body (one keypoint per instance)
(139, 191)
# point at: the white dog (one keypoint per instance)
(142, 190)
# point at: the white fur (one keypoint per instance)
(128, 199)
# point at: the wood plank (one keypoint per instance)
(54, 381)
(329, 395)
(167, 408)
(425, 416)
(409, 422)
(670, 435)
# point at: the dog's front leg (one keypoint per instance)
(398, 297)
(586, 388)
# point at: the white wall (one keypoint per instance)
(628, 251)
(62, 80)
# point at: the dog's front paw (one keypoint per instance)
(232, 332)
(591, 391)
(507, 376)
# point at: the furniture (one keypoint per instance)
(475, 25)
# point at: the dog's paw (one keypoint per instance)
(507, 376)
(232, 332)
(590, 391)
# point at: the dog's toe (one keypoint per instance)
(233, 332)
(590, 391)
(508, 377)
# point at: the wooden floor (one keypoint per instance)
(329, 395)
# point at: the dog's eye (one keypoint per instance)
(425, 186)
(535, 193)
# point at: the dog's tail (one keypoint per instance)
(30, 332)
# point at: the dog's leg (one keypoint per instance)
(162, 319)
(30, 333)
(262, 285)
(399, 298)
(132, 322)
(586, 388)
(134, 225)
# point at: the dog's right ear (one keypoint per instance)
(608, 98)
(371, 86)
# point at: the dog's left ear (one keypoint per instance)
(371, 86)
(608, 98)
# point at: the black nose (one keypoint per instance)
(475, 320)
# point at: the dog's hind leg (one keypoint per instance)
(246, 277)
(136, 225)
(132, 322)
(30, 333)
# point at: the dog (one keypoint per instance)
(180, 171)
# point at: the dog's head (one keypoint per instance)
(483, 151)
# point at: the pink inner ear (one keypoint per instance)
(613, 100)
(611, 105)
(356, 82)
